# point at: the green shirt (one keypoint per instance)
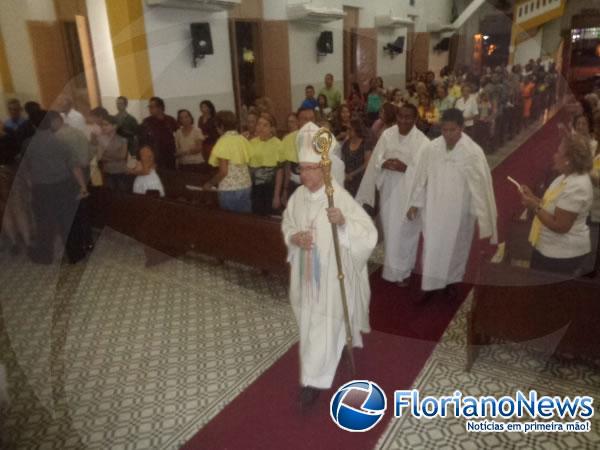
(288, 146)
(334, 97)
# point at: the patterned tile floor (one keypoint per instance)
(132, 357)
(499, 370)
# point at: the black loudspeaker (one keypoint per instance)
(325, 43)
(443, 45)
(395, 47)
(398, 45)
(201, 40)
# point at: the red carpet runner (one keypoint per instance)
(266, 415)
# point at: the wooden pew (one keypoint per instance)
(551, 313)
(175, 183)
(174, 227)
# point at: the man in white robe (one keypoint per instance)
(392, 170)
(314, 285)
(455, 189)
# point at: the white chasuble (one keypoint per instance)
(314, 285)
(455, 187)
(401, 236)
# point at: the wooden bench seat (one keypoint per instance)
(551, 313)
(191, 220)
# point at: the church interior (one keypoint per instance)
(151, 308)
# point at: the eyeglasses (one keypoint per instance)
(308, 168)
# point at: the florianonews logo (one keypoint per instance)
(358, 406)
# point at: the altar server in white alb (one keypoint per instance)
(392, 170)
(314, 285)
(455, 188)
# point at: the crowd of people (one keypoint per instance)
(415, 156)
(252, 162)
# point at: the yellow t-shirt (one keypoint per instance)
(455, 91)
(265, 153)
(288, 147)
(233, 147)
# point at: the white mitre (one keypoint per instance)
(307, 153)
(304, 144)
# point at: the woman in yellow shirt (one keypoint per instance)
(231, 154)
(266, 169)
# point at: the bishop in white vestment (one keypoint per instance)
(314, 286)
(392, 170)
(455, 189)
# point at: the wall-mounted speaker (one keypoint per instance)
(325, 43)
(398, 44)
(396, 47)
(443, 45)
(201, 40)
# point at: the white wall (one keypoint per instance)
(304, 68)
(530, 49)
(103, 53)
(551, 39)
(435, 12)
(391, 69)
(175, 79)
(183, 86)
(13, 17)
(274, 9)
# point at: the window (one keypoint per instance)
(526, 9)
(411, 2)
(537, 5)
(585, 46)
(520, 11)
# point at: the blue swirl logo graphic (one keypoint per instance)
(358, 406)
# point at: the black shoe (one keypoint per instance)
(425, 296)
(451, 291)
(308, 396)
(591, 275)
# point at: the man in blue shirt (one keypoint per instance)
(310, 102)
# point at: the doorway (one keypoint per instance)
(246, 63)
(349, 44)
(64, 62)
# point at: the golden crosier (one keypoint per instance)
(322, 142)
